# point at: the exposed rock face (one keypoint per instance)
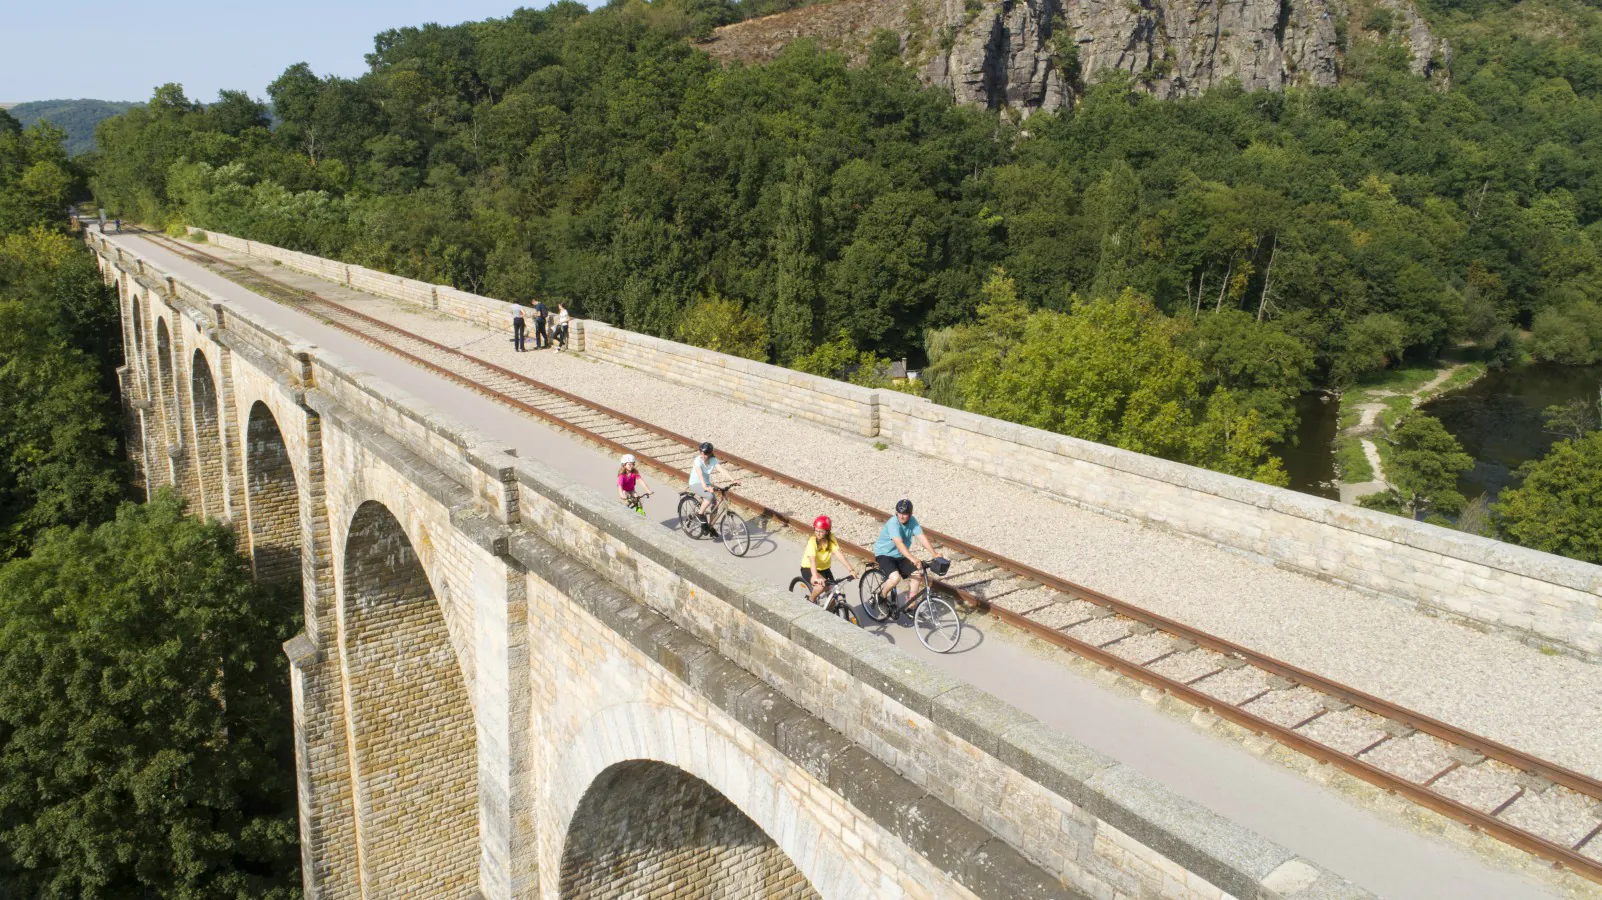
(1032, 54)
(1002, 55)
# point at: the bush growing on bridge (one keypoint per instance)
(145, 736)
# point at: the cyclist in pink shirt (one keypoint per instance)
(631, 486)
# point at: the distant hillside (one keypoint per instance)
(78, 117)
(1038, 54)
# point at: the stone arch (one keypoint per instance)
(648, 829)
(272, 498)
(208, 435)
(780, 808)
(163, 370)
(414, 751)
(138, 324)
(163, 357)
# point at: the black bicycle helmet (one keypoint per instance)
(706, 447)
(904, 506)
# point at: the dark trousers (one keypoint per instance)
(517, 335)
(541, 339)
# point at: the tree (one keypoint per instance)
(1423, 465)
(719, 324)
(1262, 366)
(1571, 336)
(36, 179)
(798, 268)
(1558, 505)
(1113, 371)
(235, 113)
(1372, 343)
(956, 353)
(145, 741)
(1573, 419)
(295, 94)
(59, 460)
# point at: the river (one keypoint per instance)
(1311, 463)
(1498, 419)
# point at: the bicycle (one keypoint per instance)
(833, 595)
(935, 618)
(636, 502)
(724, 521)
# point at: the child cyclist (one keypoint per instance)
(631, 486)
(815, 563)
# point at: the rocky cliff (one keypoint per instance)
(1033, 54)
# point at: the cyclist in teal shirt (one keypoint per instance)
(894, 547)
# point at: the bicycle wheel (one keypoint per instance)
(736, 537)
(843, 610)
(937, 623)
(868, 590)
(801, 588)
(687, 520)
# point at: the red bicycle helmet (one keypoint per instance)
(822, 522)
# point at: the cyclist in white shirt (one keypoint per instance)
(701, 469)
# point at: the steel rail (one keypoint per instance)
(1287, 735)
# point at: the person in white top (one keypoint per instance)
(701, 469)
(519, 326)
(562, 318)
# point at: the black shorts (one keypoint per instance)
(806, 574)
(889, 565)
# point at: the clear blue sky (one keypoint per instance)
(58, 49)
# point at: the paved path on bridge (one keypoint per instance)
(1391, 860)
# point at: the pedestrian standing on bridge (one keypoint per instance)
(541, 339)
(562, 320)
(518, 326)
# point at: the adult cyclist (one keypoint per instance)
(893, 551)
(816, 561)
(701, 469)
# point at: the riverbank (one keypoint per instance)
(1369, 410)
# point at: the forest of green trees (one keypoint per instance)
(1259, 244)
(145, 737)
(78, 118)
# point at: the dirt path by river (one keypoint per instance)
(1377, 408)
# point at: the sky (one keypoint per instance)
(123, 51)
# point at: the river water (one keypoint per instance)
(1497, 420)
(1311, 463)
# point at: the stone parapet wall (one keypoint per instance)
(480, 311)
(825, 401)
(1548, 599)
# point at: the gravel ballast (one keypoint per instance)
(1490, 684)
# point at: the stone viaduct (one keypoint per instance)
(508, 686)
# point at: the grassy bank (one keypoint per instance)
(1372, 407)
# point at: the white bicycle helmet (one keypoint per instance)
(627, 460)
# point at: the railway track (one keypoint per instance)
(1540, 807)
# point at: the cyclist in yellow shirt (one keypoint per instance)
(816, 561)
